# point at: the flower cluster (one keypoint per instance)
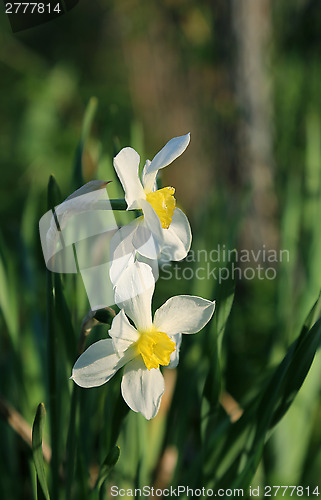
(139, 344)
(163, 228)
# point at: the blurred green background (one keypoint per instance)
(243, 77)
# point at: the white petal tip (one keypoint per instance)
(188, 137)
(124, 151)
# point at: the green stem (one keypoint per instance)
(119, 204)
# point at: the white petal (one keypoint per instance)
(183, 314)
(126, 164)
(122, 333)
(96, 365)
(174, 148)
(152, 221)
(142, 389)
(153, 263)
(122, 249)
(88, 190)
(55, 233)
(133, 293)
(145, 242)
(175, 355)
(178, 237)
(144, 174)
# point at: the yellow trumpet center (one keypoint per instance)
(163, 202)
(155, 348)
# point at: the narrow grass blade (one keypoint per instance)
(86, 126)
(53, 193)
(298, 369)
(279, 395)
(224, 297)
(8, 295)
(108, 465)
(312, 317)
(37, 448)
(64, 317)
(71, 451)
(235, 455)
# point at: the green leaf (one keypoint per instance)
(224, 297)
(85, 131)
(8, 294)
(107, 466)
(53, 194)
(212, 387)
(300, 364)
(64, 317)
(88, 118)
(279, 395)
(312, 317)
(37, 448)
(71, 451)
(235, 455)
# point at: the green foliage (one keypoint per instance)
(107, 466)
(37, 431)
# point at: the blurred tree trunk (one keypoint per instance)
(165, 92)
(251, 20)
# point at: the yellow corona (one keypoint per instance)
(155, 348)
(164, 203)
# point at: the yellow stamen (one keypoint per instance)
(163, 202)
(156, 348)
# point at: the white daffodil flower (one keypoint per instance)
(162, 225)
(142, 348)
